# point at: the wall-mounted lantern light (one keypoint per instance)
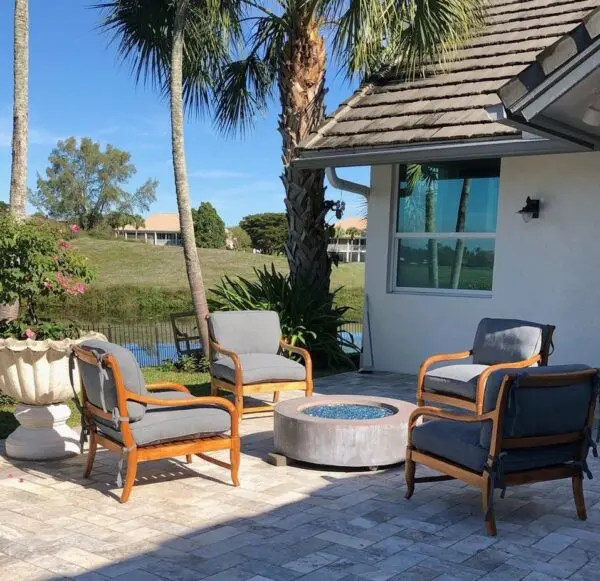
(530, 210)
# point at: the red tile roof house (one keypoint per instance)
(515, 115)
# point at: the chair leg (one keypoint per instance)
(276, 397)
(577, 482)
(213, 389)
(189, 458)
(487, 491)
(409, 475)
(234, 456)
(91, 454)
(309, 388)
(130, 478)
(239, 404)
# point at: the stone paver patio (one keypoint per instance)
(287, 523)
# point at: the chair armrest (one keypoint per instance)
(168, 385)
(482, 381)
(433, 412)
(237, 363)
(190, 401)
(302, 352)
(438, 358)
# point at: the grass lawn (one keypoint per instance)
(140, 282)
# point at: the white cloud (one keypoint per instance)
(218, 174)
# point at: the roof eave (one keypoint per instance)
(427, 152)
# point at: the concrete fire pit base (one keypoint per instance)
(342, 442)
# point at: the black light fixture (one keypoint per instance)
(530, 210)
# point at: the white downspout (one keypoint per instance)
(347, 185)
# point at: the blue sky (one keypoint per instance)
(79, 88)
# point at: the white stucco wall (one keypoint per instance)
(547, 270)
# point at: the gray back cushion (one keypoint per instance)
(247, 331)
(130, 370)
(506, 341)
(539, 411)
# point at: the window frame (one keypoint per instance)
(394, 246)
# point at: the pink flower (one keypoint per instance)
(79, 288)
(64, 244)
(48, 285)
(30, 334)
(75, 229)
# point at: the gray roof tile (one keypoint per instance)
(449, 103)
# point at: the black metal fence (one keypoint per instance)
(153, 343)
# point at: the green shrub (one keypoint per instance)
(306, 319)
(185, 364)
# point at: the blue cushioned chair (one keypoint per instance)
(498, 343)
(247, 357)
(535, 426)
(149, 422)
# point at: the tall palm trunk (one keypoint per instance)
(432, 244)
(190, 253)
(459, 249)
(302, 94)
(18, 172)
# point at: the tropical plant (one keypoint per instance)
(286, 54)
(36, 263)
(209, 228)
(306, 318)
(84, 183)
(18, 170)
(179, 46)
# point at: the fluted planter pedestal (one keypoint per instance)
(43, 433)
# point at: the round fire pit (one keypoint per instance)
(344, 430)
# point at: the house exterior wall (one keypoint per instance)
(547, 270)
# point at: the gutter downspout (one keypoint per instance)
(346, 185)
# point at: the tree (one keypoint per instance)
(461, 218)
(287, 54)
(18, 170)
(208, 227)
(180, 47)
(84, 183)
(4, 208)
(240, 238)
(268, 231)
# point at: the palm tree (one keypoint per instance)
(287, 54)
(179, 46)
(18, 170)
(459, 249)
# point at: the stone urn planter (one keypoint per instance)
(36, 374)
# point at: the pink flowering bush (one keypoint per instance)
(36, 262)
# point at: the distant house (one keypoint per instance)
(160, 230)
(349, 243)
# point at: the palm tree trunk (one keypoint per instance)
(190, 253)
(459, 249)
(432, 244)
(18, 172)
(302, 94)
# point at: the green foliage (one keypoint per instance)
(84, 183)
(209, 228)
(306, 319)
(4, 208)
(119, 219)
(35, 262)
(101, 232)
(240, 238)
(268, 232)
(186, 364)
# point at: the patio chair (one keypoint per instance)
(149, 422)
(499, 343)
(536, 426)
(247, 358)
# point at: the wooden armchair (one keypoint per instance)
(151, 422)
(536, 426)
(498, 344)
(246, 358)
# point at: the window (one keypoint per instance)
(446, 226)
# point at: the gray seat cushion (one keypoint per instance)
(506, 341)
(246, 331)
(458, 380)
(260, 368)
(460, 444)
(130, 370)
(165, 424)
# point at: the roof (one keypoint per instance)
(159, 223)
(352, 222)
(450, 104)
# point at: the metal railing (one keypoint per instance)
(153, 343)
